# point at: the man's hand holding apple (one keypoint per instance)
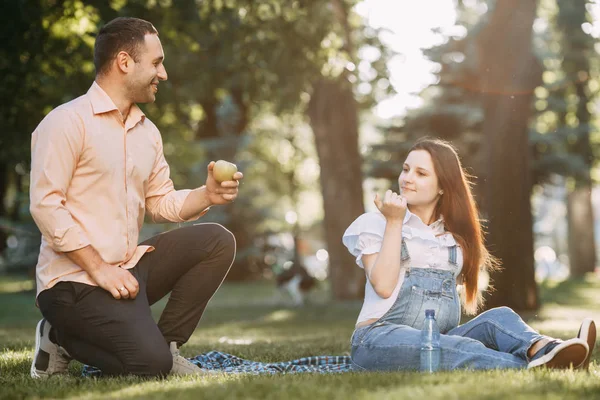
(222, 182)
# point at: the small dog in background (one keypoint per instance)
(296, 282)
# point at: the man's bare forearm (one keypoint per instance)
(87, 258)
(196, 202)
(120, 283)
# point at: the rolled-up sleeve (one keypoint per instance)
(55, 147)
(163, 202)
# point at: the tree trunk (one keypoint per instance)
(3, 189)
(580, 216)
(4, 181)
(208, 127)
(15, 214)
(577, 47)
(582, 249)
(333, 117)
(509, 73)
(220, 139)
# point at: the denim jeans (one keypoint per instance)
(497, 338)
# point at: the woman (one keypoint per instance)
(415, 251)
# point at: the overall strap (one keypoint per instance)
(404, 253)
(452, 255)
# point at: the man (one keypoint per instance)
(97, 168)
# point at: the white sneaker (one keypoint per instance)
(587, 332)
(49, 358)
(183, 366)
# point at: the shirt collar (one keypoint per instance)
(415, 221)
(135, 116)
(102, 103)
(407, 216)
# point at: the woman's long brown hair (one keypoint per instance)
(461, 216)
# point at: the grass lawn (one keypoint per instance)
(244, 319)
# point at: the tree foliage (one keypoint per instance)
(231, 65)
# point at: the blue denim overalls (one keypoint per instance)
(426, 288)
(497, 338)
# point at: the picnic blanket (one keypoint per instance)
(228, 363)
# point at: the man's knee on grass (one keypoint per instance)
(155, 361)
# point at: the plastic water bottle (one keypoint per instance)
(430, 344)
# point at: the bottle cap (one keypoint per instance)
(429, 313)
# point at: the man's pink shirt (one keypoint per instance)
(93, 178)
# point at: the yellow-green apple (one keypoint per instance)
(224, 170)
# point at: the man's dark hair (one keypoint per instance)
(120, 34)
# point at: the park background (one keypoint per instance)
(317, 102)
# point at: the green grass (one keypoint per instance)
(244, 319)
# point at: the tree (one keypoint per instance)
(509, 73)
(334, 120)
(228, 62)
(333, 114)
(286, 161)
(578, 47)
(451, 109)
(35, 77)
(244, 56)
(45, 59)
(562, 133)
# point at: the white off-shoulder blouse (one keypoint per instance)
(427, 247)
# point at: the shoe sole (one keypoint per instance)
(587, 332)
(188, 368)
(570, 353)
(33, 371)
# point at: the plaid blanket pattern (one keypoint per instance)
(228, 363)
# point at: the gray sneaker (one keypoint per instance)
(183, 366)
(49, 358)
(558, 354)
